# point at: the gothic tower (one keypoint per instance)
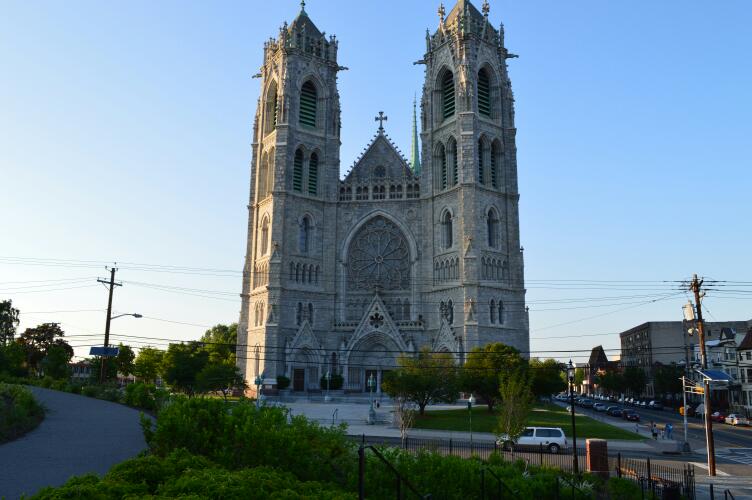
(470, 173)
(294, 176)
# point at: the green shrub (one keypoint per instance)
(146, 396)
(622, 489)
(282, 382)
(19, 411)
(211, 428)
(91, 391)
(335, 382)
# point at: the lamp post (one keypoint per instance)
(570, 376)
(371, 383)
(103, 366)
(259, 380)
(328, 377)
(470, 403)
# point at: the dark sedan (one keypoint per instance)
(631, 415)
(614, 411)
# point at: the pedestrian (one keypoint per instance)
(669, 431)
(637, 428)
(663, 432)
(654, 430)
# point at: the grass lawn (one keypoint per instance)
(542, 415)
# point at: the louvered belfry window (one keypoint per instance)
(481, 166)
(484, 93)
(297, 171)
(313, 174)
(308, 102)
(447, 90)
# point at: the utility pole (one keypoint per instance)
(696, 286)
(112, 286)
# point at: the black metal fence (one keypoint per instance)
(661, 480)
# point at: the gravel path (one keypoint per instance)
(78, 435)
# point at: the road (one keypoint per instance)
(79, 435)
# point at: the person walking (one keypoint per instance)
(669, 431)
(654, 430)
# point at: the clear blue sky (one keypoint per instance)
(125, 131)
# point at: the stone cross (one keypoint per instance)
(381, 119)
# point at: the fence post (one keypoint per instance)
(557, 488)
(540, 454)
(618, 465)
(399, 488)
(361, 473)
(712, 494)
(450, 446)
(651, 485)
(482, 484)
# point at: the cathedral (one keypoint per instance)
(343, 276)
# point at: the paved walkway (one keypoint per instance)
(79, 435)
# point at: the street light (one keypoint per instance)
(371, 383)
(258, 381)
(570, 376)
(470, 403)
(328, 377)
(103, 367)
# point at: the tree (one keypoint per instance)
(219, 377)
(38, 340)
(124, 360)
(12, 359)
(667, 379)
(181, 365)
(516, 400)
(148, 364)
(635, 380)
(425, 379)
(55, 362)
(579, 377)
(546, 377)
(480, 375)
(8, 322)
(220, 342)
(404, 414)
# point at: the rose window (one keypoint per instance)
(379, 258)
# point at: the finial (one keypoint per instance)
(441, 12)
(302, 5)
(381, 119)
(486, 8)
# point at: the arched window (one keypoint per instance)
(501, 313)
(265, 236)
(292, 271)
(484, 93)
(305, 235)
(303, 273)
(270, 113)
(310, 274)
(492, 225)
(297, 171)
(446, 229)
(451, 151)
(505, 271)
(310, 313)
(447, 95)
(495, 163)
(313, 174)
(299, 314)
(263, 177)
(492, 311)
(442, 167)
(481, 162)
(316, 275)
(308, 104)
(450, 312)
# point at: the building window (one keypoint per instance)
(313, 174)
(501, 313)
(495, 163)
(270, 114)
(492, 311)
(481, 161)
(265, 236)
(305, 235)
(297, 171)
(484, 93)
(447, 95)
(492, 226)
(299, 314)
(452, 161)
(308, 104)
(446, 229)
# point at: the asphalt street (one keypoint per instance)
(79, 435)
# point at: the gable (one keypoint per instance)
(380, 160)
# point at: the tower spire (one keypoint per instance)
(415, 149)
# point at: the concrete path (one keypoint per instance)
(79, 435)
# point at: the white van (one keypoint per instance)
(551, 439)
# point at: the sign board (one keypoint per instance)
(107, 352)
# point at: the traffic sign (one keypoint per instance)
(107, 352)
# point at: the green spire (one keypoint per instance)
(415, 149)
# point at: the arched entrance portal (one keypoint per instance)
(374, 356)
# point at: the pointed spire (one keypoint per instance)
(486, 8)
(441, 13)
(415, 149)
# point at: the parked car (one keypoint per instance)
(735, 419)
(614, 411)
(655, 405)
(587, 403)
(719, 417)
(631, 415)
(599, 407)
(550, 438)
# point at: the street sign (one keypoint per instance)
(107, 352)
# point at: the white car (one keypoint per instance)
(550, 438)
(735, 419)
(599, 407)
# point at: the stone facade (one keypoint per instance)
(345, 275)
